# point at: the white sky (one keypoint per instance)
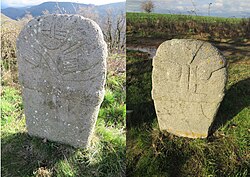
(22, 3)
(228, 8)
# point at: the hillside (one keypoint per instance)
(58, 7)
(4, 19)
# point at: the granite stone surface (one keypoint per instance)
(189, 78)
(62, 69)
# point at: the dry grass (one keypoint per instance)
(9, 32)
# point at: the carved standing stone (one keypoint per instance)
(189, 78)
(62, 68)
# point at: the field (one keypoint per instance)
(170, 26)
(23, 155)
(225, 152)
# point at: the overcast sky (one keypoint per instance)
(22, 3)
(226, 8)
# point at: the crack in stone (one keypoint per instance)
(203, 112)
(215, 71)
(196, 53)
(185, 120)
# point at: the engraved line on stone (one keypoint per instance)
(203, 112)
(171, 98)
(89, 79)
(195, 86)
(196, 52)
(193, 79)
(54, 33)
(71, 48)
(53, 27)
(185, 120)
(184, 78)
(60, 37)
(85, 70)
(32, 61)
(215, 71)
(69, 64)
(56, 101)
(34, 64)
(47, 58)
(91, 67)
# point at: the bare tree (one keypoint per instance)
(209, 8)
(89, 12)
(9, 32)
(45, 12)
(113, 25)
(194, 10)
(114, 30)
(27, 17)
(147, 6)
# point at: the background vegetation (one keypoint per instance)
(170, 26)
(225, 152)
(23, 155)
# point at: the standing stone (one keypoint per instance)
(62, 69)
(189, 78)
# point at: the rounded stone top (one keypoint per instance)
(189, 66)
(188, 82)
(62, 70)
(68, 44)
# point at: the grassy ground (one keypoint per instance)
(224, 153)
(25, 156)
(170, 26)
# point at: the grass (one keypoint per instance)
(150, 152)
(113, 110)
(176, 17)
(179, 26)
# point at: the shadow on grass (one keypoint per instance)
(152, 153)
(139, 76)
(22, 154)
(143, 113)
(236, 99)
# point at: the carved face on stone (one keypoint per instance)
(188, 84)
(52, 32)
(63, 44)
(62, 68)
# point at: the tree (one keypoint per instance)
(194, 10)
(113, 25)
(89, 12)
(209, 8)
(147, 6)
(114, 30)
